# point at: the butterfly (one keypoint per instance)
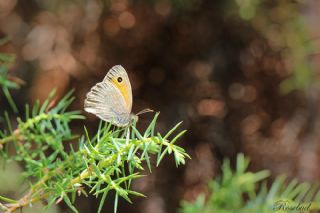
(111, 99)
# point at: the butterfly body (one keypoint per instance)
(111, 99)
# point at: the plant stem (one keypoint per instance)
(27, 124)
(14, 136)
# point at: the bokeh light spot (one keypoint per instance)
(210, 107)
(111, 27)
(236, 91)
(119, 5)
(126, 20)
(251, 124)
(163, 7)
(6, 6)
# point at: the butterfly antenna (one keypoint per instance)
(144, 111)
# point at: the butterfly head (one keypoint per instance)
(133, 119)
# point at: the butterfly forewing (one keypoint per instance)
(115, 74)
(111, 99)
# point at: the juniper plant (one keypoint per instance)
(57, 170)
(6, 81)
(246, 192)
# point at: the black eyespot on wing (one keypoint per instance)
(119, 79)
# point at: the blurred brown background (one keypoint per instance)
(241, 74)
